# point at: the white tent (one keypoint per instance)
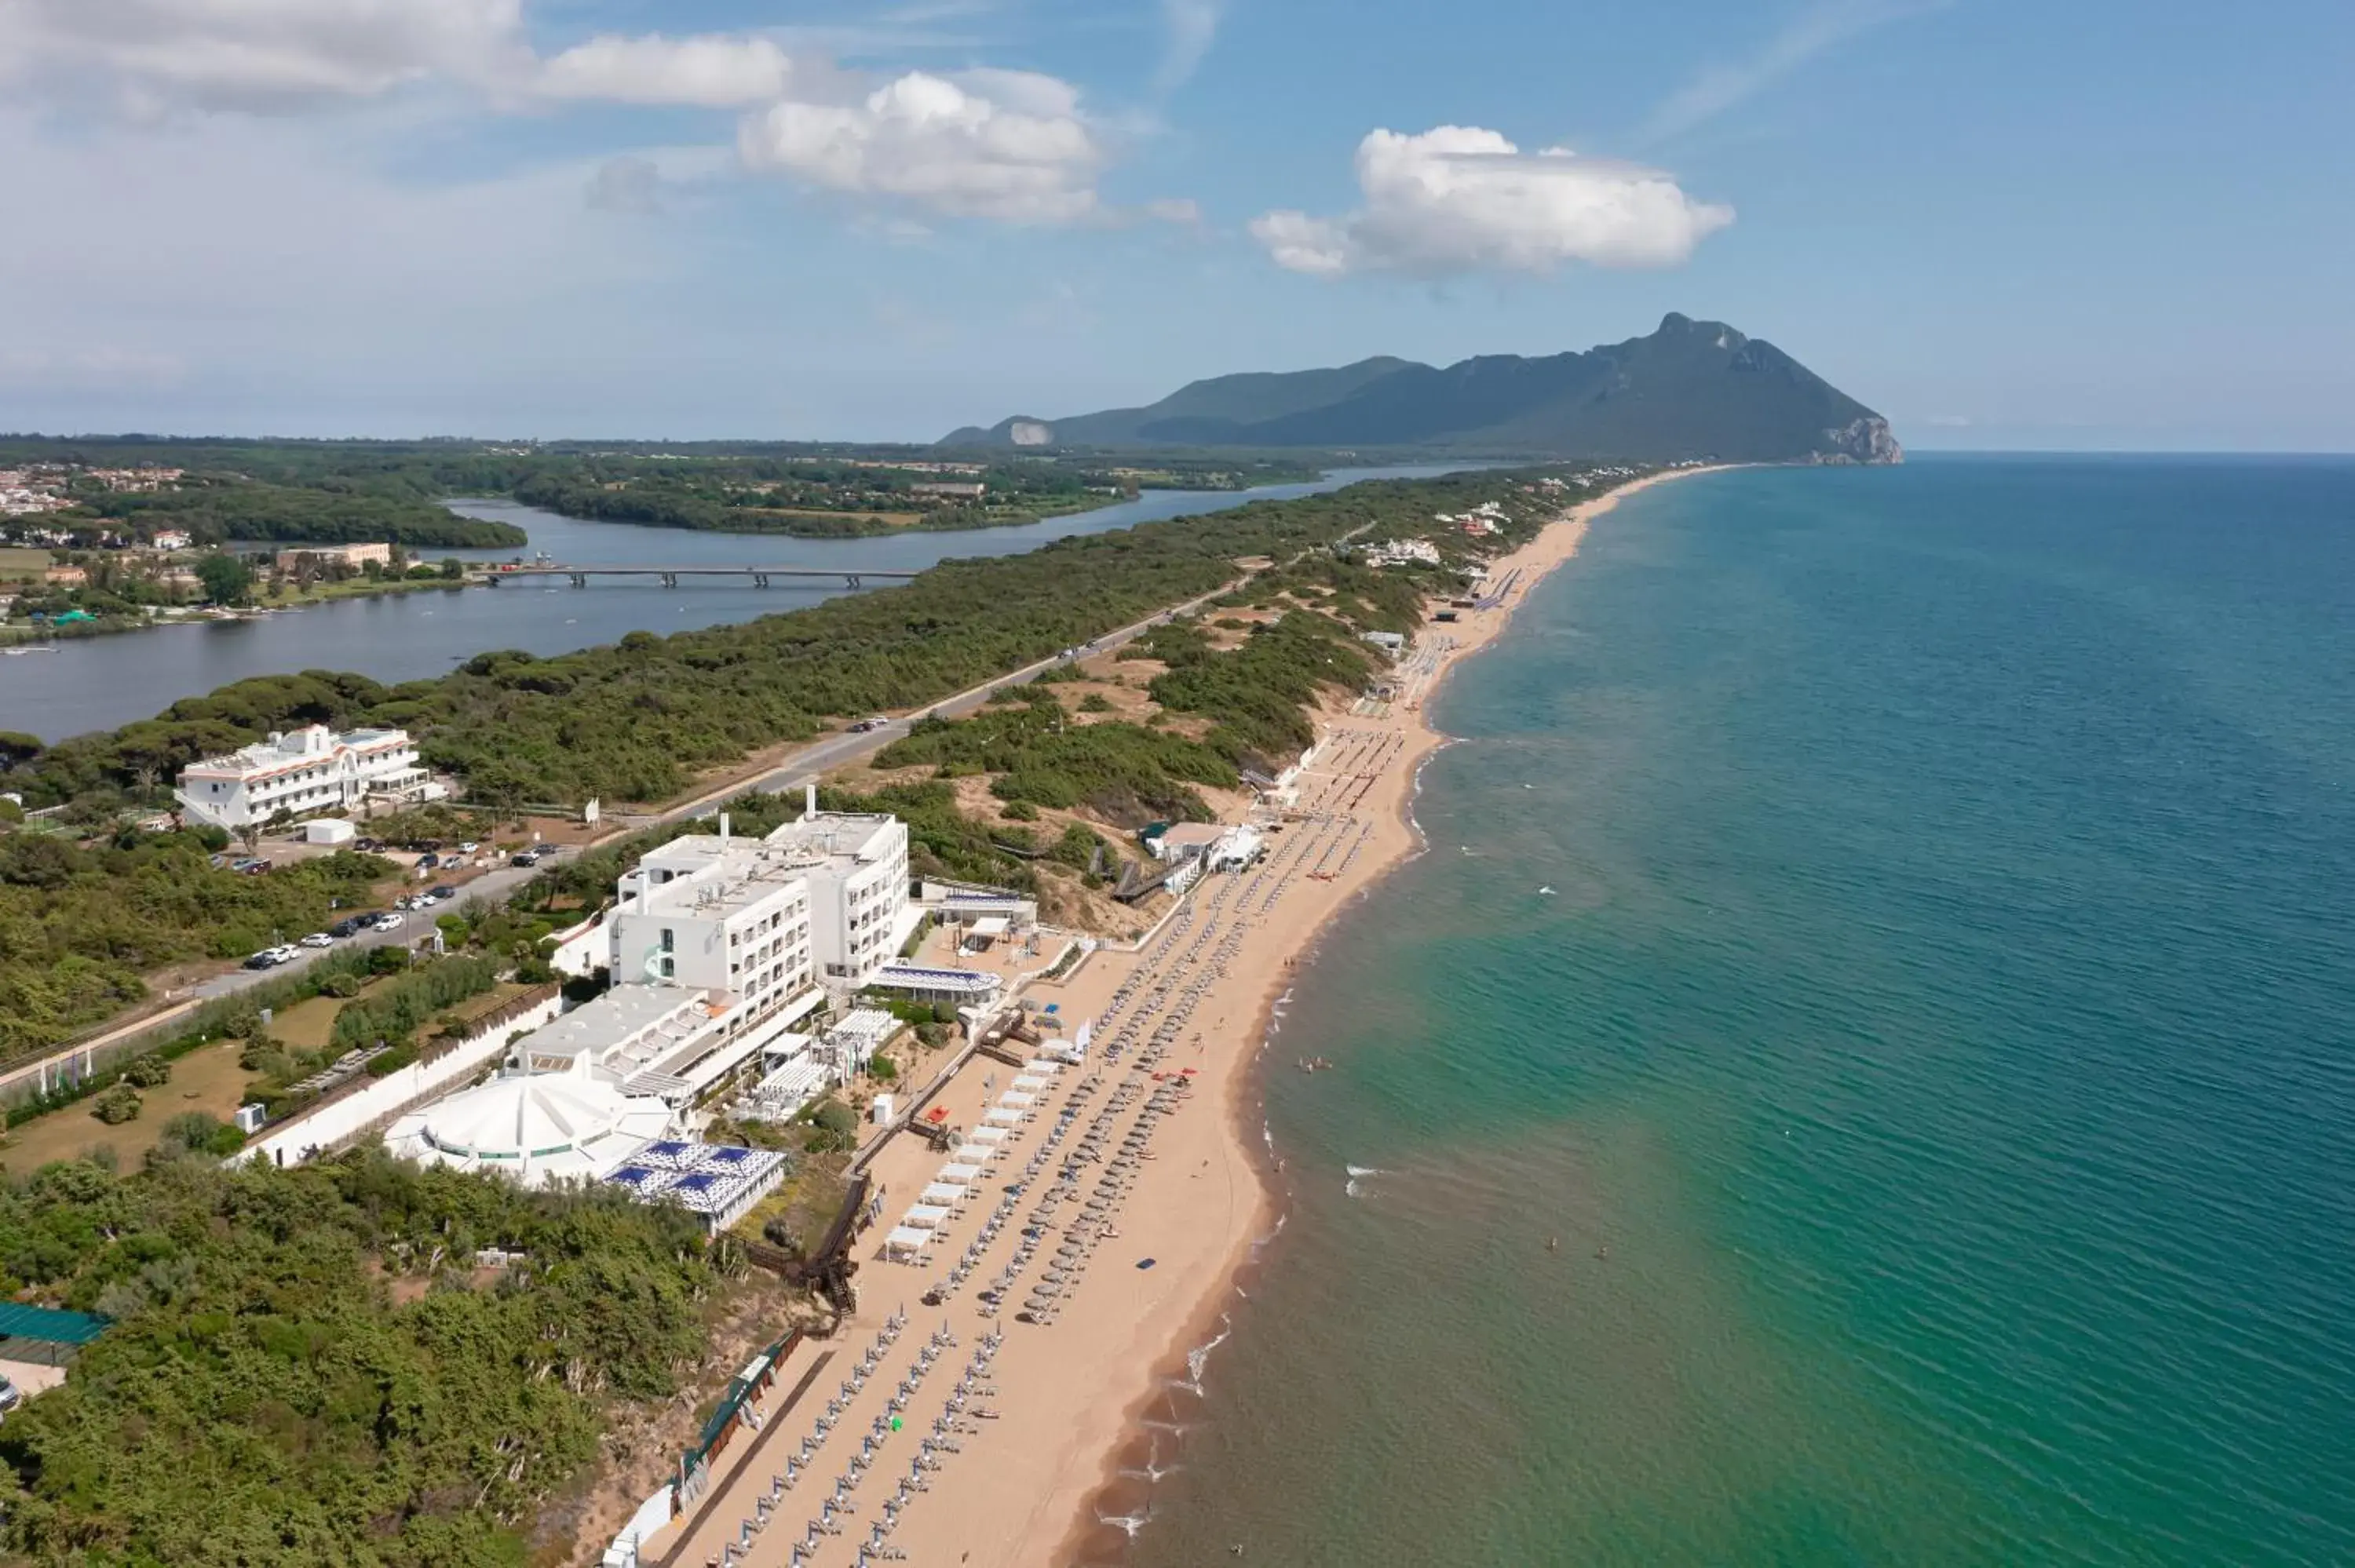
(942, 1192)
(1029, 1083)
(960, 1175)
(1001, 1116)
(924, 1216)
(906, 1240)
(1016, 1097)
(989, 1135)
(974, 1153)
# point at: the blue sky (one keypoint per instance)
(2093, 225)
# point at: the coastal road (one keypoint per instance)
(838, 751)
(843, 749)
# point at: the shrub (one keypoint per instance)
(148, 1072)
(116, 1105)
(341, 987)
(385, 1063)
(882, 1069)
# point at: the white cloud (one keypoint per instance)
(274, 55)
(707, 71)
(1189, 27)
(1009, 147)
(1463, 199)
(155, 55)
(1183, 211)
(1814, 29)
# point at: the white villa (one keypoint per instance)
(303, 771)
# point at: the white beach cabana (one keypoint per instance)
(906, 1242)
(942, 1194)
(1042, 1066)
(988, 1135)
(1016, 1097)
(976, 1153)
(963, 1175)
(924, 1216)
(1002, 1117)
(1029, 1083)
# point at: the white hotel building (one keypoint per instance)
(299, 772)
(717, 946)
(856, 864)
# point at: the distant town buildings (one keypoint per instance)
(962, 490)
(305, 770)
(343, 554)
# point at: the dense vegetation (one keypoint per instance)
(267, 1396)
(641, 720)
(80, 925)
(214, 509)
(637, 720)
(338, 492)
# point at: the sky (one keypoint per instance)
(2088, 225)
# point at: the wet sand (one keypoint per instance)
(1054, 1463)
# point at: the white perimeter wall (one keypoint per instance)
(334, 1122)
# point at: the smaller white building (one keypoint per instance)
(301, 772)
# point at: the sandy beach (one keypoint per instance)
(1030, 1442)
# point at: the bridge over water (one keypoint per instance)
(855, 577)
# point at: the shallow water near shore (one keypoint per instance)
(1917, 1126)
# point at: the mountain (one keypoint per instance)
(1691, 390)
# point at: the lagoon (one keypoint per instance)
(101, 682)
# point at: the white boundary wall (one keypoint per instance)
(289, 1142)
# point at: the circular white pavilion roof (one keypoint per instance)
(533, 1127)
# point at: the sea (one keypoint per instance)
(1864, 1072)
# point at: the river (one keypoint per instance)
(99, 683)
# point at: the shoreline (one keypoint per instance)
(1206, 1321)
(1180, 1208)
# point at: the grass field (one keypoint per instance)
(16, 563)
(207, 1079)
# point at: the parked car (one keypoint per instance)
(265, 960)
(428, 860)
(317, 940)
(524, 858)
(389, 921)
(866, 725)
(11, 1396)
(469, 847)
(351, 924)
(442, 893)
(367, 846)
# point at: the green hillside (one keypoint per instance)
(1691, 390)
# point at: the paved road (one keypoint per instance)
(817, 758)
(835, 751)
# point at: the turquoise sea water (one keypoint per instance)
(1933, 1066)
